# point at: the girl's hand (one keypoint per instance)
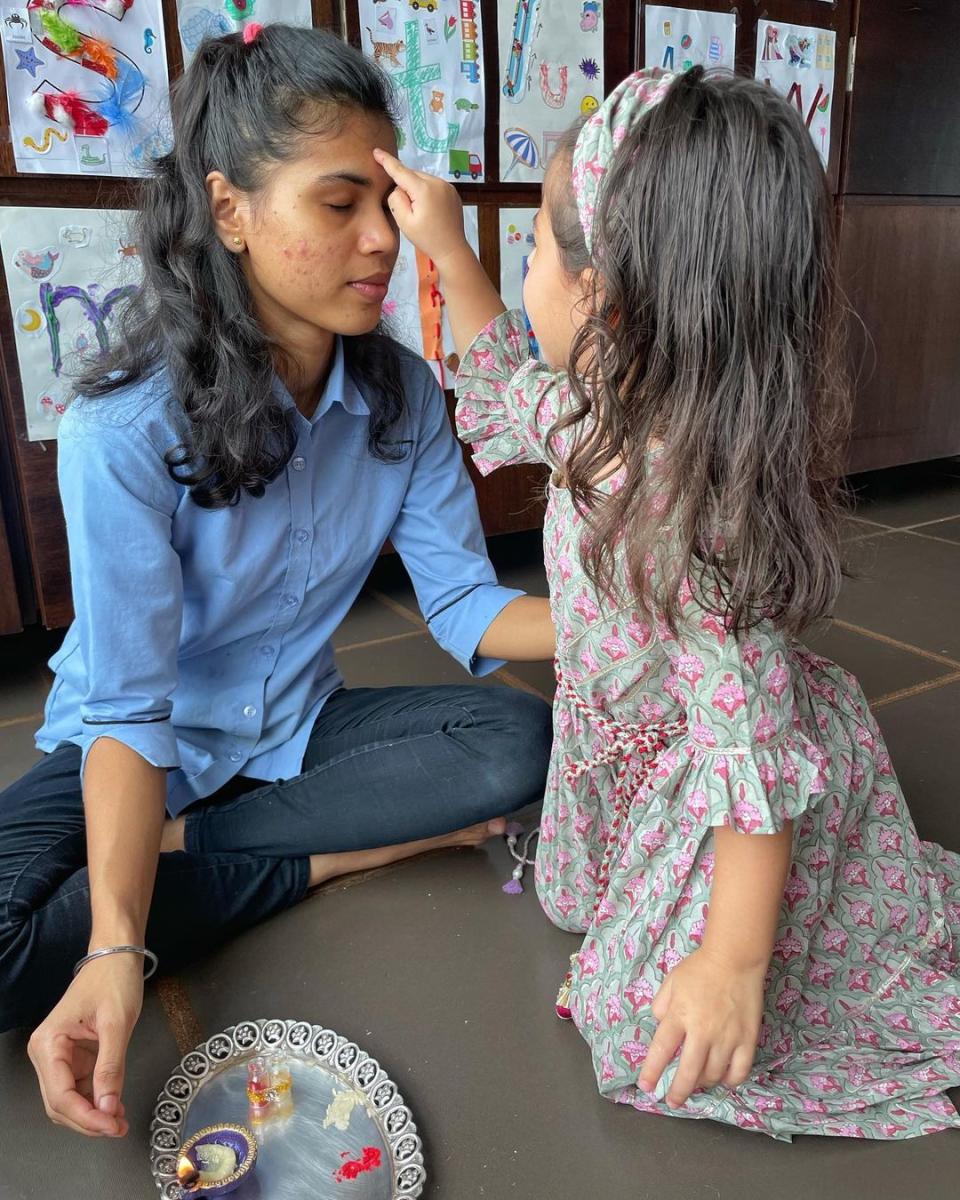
(714, 1011)
(79, 1051)
(427, 210)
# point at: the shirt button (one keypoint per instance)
(301, 535)
(298, 463)
(289, 600)
(236, 756)
(266, 651)
(249, 711)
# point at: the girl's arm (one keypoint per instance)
(79, 1050)
(428, 212)
(712, 1002)
(521, 632)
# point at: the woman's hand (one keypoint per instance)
(79, 1051)
(427, 210)
(714, 1011)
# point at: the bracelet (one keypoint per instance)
(147, 954)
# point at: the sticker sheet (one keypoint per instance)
(433, 52)
(680, 38)
(69, 272)
(798, 61)
(516, 246)
(551, 72)
(86, 86)
(414, 308)
(199, 19)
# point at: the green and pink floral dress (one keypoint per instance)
(659, 739)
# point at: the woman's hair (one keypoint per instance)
(239, 109)
(715, 330)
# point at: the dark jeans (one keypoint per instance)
(383, 766)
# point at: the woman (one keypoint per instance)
(229, 476)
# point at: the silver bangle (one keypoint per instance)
(142, 950)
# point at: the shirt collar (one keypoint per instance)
(339, 389)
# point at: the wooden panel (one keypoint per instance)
(10, 618)
(905, 108)
(837, 16)
(900, 266)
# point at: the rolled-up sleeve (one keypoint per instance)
(119, 500)
(440, 539)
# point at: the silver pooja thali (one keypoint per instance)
(345, 1111)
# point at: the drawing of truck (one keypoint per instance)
(462, 162)
(429, 5)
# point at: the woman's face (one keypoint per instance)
(551, 297)
(319, 241)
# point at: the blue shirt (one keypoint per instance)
(202, 637)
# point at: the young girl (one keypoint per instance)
(229, 478)
(767, 941)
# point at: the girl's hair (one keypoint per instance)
(715, 330)
(240, 109)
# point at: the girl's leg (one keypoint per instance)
(391, 766)
(45, 896)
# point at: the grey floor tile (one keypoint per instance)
(907, 495)
(41, 1161)
(949, 529)
(909, 592)
(921, 734)
(450, 984)
(369, 620)
(17, 751)
(416, 660)
(538, 675)
(880, 668)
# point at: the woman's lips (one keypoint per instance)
(373, 288)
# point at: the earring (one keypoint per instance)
(238, 241)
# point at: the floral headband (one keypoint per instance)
(604, 132)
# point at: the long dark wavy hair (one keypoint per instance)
(714, 329)
(239, 109)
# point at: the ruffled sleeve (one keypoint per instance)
(507, 400)
(748, 760)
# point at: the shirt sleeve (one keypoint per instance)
(440, 539)
(507, 400)
(119, 500)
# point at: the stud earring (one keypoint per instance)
(238, 241)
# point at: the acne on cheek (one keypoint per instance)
(302, 253)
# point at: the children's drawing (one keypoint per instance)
(414, 308)
(65, 297)
(81, 72)
(199, 19)
(516, 246)
(432, 50)
(551, 72)
(799, 62)
(680, 38)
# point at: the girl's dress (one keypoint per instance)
(657, 740)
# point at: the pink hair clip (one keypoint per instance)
(250, 32)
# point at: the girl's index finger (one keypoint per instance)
(401, 175)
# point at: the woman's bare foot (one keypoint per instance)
(171, 838)
(328, 866)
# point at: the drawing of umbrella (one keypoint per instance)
(523, 148)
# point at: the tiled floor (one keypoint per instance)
(450, 983)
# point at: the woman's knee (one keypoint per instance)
(515, 741)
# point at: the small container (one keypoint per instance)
(258, 1088)
(281, 1086)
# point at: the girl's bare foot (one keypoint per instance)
(328, 866)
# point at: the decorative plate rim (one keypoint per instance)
(391, 1115)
